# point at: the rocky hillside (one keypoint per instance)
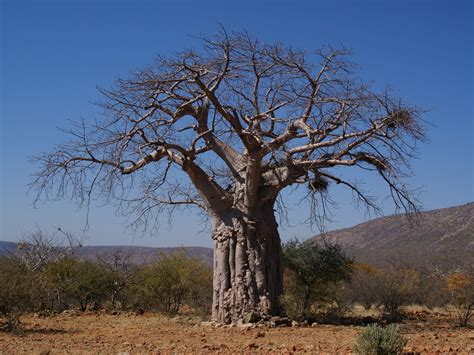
(443, 237)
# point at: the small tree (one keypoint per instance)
(84, 283)
(310, 269)
(396, 288)
(20, 291)
(121, 270)
(362, 285)
(388, 289)
(172, 281)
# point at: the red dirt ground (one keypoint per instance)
(93, 333)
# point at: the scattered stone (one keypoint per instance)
(294, 323)
(314, 325)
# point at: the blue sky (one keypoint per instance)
(55, 53)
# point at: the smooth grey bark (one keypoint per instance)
(248, 275)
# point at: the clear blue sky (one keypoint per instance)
(54, 53)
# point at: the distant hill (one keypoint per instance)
(443, 237)
(7, 247)
(139, 255)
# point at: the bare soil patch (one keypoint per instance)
(151, 333)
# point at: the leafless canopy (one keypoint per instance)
(242, 120)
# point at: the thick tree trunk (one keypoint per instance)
(247, 265)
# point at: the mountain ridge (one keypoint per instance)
(442, 236)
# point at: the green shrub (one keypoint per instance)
(314, 275)
(172, 281)
(377, 340)
(84, 283)
(20, 291)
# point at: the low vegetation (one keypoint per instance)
(377, 340)
(321, 284)
(67, 283)
(171, 282)
(314, 278)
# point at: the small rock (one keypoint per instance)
(313, 325)
(294, 323)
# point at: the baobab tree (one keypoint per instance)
(227, 128)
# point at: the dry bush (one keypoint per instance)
(432, 292)
(362, 285)
(461, 287)
(389, 289)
